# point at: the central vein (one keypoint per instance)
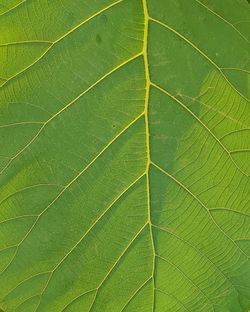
(146, 64)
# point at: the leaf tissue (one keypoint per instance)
(124, 156)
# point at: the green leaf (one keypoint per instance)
(125, 145)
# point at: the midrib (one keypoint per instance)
(146, 110)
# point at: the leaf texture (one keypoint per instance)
(125, 156)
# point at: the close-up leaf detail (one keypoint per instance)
(124, 156)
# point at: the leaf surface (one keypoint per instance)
(125, 145)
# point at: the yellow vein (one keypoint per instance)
(136, 293)
(25, 301)
(237, 69)
(62, 37)
(25, 42)
(23, 70)
(185, 276)
(13, 8)
(66, 106)
(73, 180)
(211, 108)
(146, 64)
(114, 202)
(200, 202)
(22, 123)
(16, 218)
(172, 296)
(199, 51)
(201, 122)
(223, 19)
(9, 247)
(88, 19)
(78, 297)
(240, 150)
(24, 281)
(117, 262)
(245, 214)
(200, 252)
(29, 187)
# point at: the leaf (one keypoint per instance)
(125, 139)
